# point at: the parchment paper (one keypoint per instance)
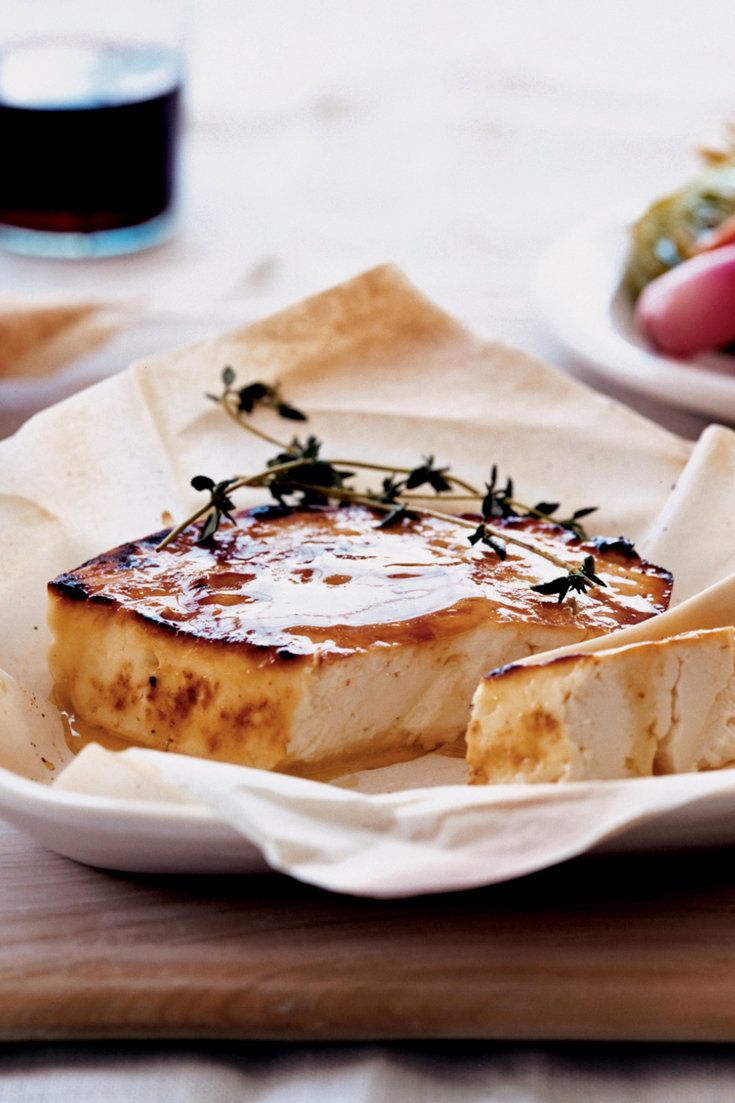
(39, 337)
(385, 375)
(46, 345)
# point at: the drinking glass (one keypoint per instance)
(90, 100)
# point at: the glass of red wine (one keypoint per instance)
(90, 101)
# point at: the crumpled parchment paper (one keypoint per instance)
(381, 369)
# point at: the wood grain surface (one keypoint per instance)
(610, 948)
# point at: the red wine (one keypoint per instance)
(88, 133)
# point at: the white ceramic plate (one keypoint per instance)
(141, 835)
(138, 836)
(578, 293)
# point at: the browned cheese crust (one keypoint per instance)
(208, 649)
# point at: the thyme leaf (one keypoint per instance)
(392, 489)
(307, 450)
(290, 412)
(396, 516)
(427, 474)
(498, 501)
(577, 580)
(257, 394)
(572, 523)
(220, 504)
(492, 541)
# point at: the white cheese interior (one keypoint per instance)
(666, 706)
(332, 712)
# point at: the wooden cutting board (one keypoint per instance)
(605, 948)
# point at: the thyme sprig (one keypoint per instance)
(298, 475)
(499, 501)
(256, 394)
(578, 580)
(220, 503)
(216, 501)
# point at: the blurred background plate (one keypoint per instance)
(578, 294)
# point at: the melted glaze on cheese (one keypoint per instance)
(328, 580)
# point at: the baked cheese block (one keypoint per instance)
(313, 641)
(659, 707)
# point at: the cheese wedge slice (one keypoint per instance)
(660, 707)
(314, 641)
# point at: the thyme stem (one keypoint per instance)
(442, 497)
(472, 491)
(301, 459)
(183, 525)
(344, 495)
(234, 413)
(238, 483)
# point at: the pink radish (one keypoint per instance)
(692, 307)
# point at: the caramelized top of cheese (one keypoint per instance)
(329, 580)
